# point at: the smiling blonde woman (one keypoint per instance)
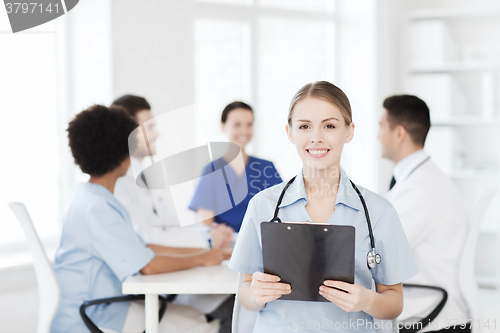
(319, 125)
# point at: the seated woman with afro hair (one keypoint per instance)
(99, 248)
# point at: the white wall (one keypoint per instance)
(84, 75)
(388, 74)
(356, 75)
(153, 57)
(153, 52)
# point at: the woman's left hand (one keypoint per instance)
(355, 298)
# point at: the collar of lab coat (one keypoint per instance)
(403, 169)
(345, 194)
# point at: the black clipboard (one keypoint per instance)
(305, 255)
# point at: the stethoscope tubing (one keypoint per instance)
(373, 258)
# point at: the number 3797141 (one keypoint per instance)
(30, 7)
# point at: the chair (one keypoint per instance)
(127, 298)
(413, 324)
(48, 285)
(244, 320)
(467, 282)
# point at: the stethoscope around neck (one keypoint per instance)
(372, 258)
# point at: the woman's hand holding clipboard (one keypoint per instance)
(267, 288)
(348, 297)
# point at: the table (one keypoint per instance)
(199, 280)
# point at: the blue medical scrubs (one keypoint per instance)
(99, 250)
(211, 192)
(397, 263)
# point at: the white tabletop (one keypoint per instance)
(199, 280)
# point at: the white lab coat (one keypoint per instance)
(434, 218)
(162, 227)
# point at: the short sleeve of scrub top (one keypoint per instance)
(397, 263)
(228, 194)
(120, 248)
(205, 195)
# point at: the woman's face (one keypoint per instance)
(239, 126)
(319, 132)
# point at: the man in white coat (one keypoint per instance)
(429, 205)
(154, 221)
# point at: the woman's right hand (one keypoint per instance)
(267, 288)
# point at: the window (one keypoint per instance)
(222, 69)
(261, 52)
(29, 134)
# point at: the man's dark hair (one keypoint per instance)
(410, 112)
(98, 138)
(133, 104)
(231, 106)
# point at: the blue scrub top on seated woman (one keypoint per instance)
(397, 263)
(211, 193)
(99, 250)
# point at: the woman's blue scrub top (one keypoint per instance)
(211, 191)
(397, 263)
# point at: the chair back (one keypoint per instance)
(48, 287)
(467, 282)
(244, 319)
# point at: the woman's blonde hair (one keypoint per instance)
(326, 91)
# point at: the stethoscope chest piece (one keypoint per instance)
(373, 259)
